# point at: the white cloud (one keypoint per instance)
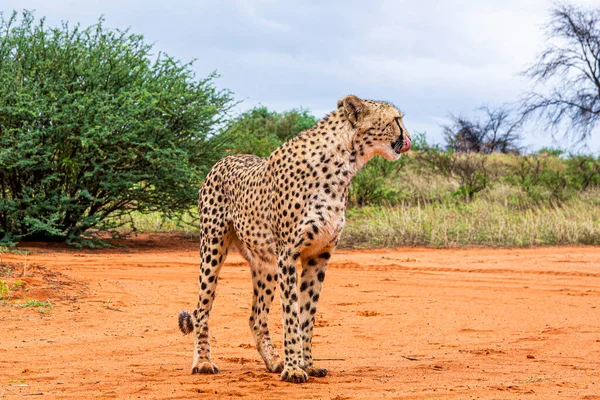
(249, 8)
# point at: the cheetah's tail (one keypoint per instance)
(185, 322)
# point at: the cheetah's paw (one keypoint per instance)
(295, 375)
(205, 367)
(316, 371)
(276, 366)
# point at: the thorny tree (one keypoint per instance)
(95, 126)
(566, 76)
(496, 132)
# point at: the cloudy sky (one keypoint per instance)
(430, 58)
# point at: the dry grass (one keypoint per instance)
(154, 222)
(480, 223)
(487, 221)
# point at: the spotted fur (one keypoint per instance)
(284, 210)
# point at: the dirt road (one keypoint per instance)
(402, 323)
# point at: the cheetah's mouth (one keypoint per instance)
(402, 145)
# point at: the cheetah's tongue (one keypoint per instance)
(406, 146)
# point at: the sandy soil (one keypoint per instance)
(398, 323)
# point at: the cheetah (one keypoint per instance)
(281, 210)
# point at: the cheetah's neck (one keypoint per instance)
(323, 156)
(333, 137)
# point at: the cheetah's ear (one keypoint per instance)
(353, 108)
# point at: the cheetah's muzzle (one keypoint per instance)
(402, 145)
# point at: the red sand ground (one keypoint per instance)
(394, 323)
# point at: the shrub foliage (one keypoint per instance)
(94, 126)
(259, 131)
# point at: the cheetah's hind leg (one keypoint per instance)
(264, 282)
(213, 251)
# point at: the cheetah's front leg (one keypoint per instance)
(313, 275)
(292, 343)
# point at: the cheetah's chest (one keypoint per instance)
(324, 222)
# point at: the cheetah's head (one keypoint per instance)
(377, 126)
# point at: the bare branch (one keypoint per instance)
(496, 133)
(566, 76)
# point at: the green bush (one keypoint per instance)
(260, 131)
(467, 169)
(543, 179)
(93, 126)
(419, 141)
(372, 184)
(584, 171)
